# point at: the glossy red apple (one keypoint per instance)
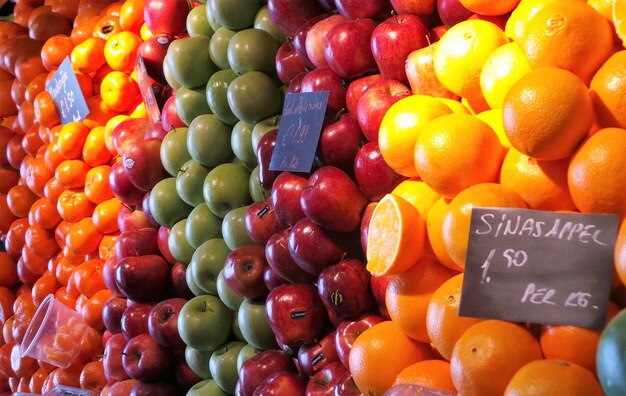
(316, 38)
(347, 48)
(164, 249)
(272, 280)
(379, 289)
(185, 377)
(169, 116)
(324, 79)
(313, 358)
(295, 314)
(289, 15)
(264, 152)
(134, 243)
(355, 9)
(348, 331)
(257, 368)
(142, 161)
(373, 175)
(340, 141)
(122, 187)
(178, 282)
(313, 248)
(345, 289)
(280, 384)
(112, 314)
(286, 193)
(166, 16)
(394, 39)
(243, 271)
(356, 89)
(281, 262)
(324, 382)
(163, 323)
(288, 63)
(299, 38)
(261, 222)
(153, 51)
(112, 361)
(129, 131)
(365, 222)
(129, 219)
(154, 389)
(346, 387)
(421, 8)
(332, 200)
(135, 320)
(145, 360)
(296, 84)
(374, 103)
(420, 71)
(108, 276)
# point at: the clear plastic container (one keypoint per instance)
(54, 334)
(62, 390)
(416, 390)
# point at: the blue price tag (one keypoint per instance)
(66, 94)
(299, 131)
(145, 88)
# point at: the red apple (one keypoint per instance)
(316, 37)
(178, 282)
(162, 244)
(421, 8)
(135, 320)
(135, 243)
(166, 16)
(452, 12)
(153, 51)
(324, 382)
(129, 131)
(145, 360)
(112, 314)
(379, 289)
(289, 15)
(347, 48)
(365, 222)
(315, 357)
(296, 84)
(356, 9)
(264, 152)
(437, 32)
(286, 193)
(313, 248)
(356, 89)
(332, 200)
(324, 79)
(280, 384)
(129, 219)
(243, 271)
(295, 314)
(169, 116)
(112, 361)
(142, 161)
(163, 323)
(288, 63)
(345, 289)
(122, 187)
(346, 387)
(185, 377)
(372, 173)
(299, 38)
(259, 366)
(394, 39)
(374, 103)
(261, 222)
(340, 141)
(154, 389)
(272, 279)
(420, 71)
(108, 276)
(142, 278)
(348, 331)
(281, 262)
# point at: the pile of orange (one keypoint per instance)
(57, 209)
(540, 124)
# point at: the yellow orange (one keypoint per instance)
(502, 69)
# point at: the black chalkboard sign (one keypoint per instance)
(299, 131)
(66, 94)
(539, 267)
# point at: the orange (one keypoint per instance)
(84, 237)
(547, 113)
(502, 69)
(575, 344)
(409, 293)
(105, 215)
(489, 7)
(72, 173)
(620, 252)
(120, 51)
(619, 14)
(418, 194)
(45, 286)
(99, 113)
(8, 270)
(607, 92)
(74, 206)
(456, 151)
(433, 374)
(45, 111)
(461, 53)
(546, 377)
(118, 91)
(88, 56)
(401, 126)
(44, 213)
(95, 151)
(604, 7)
(488, 354)
(493, 118)
(380, 353)
(19, 199)
(542, 184)
(595, 176)
(570, 35)
(92, 377)
(131, 15)
(443, 322)
(395, 240)
(54, 50)
(71, 140)
(456, 223)
(97, 186)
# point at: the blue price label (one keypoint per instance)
(66, 94)
(145, 88)
(299, 131)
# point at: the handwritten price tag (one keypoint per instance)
(299, 131)
(65, 91)
(539, 267)
(145, 88)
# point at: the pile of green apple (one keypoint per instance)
(227, 96)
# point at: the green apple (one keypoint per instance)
(190, 103)
(216, 95)
(241, 143)
(263, 21)
(189, 182)
(204, 323)
(202, 225)
(252, 49)
(207, 263)
(180, 248)
(198, 362)
(218, 47)
(189, 61)
(197, 22)
(234, 228)
(208, 140)
(211, 16)
(254, 96)
(174, 152)
(246, 353)
(206, 388)
(166, 206)
(237, 161)
(223, 365)
(169, 78)
(236, 14)
(254, 325)
(231, 299)
(237, 330)
(226, 188)
(193, 286)
(257, 192)
(262, 127)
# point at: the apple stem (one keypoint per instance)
(205, 306)
(126, 206)
(428, 39)
(277, 120)
(343, 256)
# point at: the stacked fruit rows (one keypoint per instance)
(200, 270)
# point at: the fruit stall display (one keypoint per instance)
(197, 270)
